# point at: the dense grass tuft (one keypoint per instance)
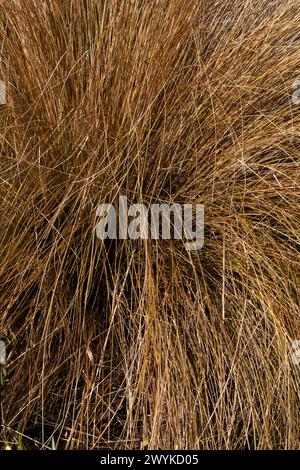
(119, 343)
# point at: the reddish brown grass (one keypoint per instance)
(119, 343)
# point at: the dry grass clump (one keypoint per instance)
(111, 344)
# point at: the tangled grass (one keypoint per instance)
(121, 344)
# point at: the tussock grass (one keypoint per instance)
(116, 343)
